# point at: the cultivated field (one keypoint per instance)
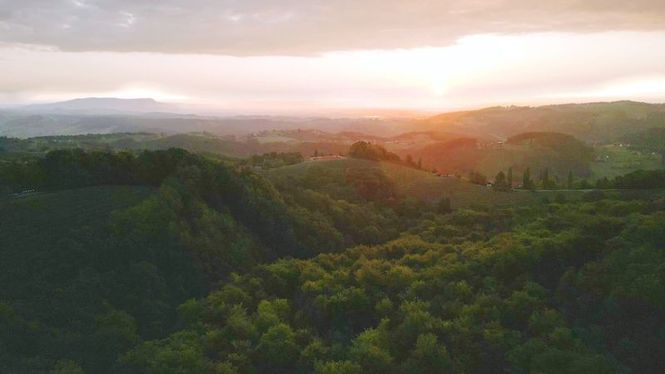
(614, 160)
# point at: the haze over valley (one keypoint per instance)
(328, 187)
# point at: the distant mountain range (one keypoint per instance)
(592, 122)
(111, 115)
(103, 105)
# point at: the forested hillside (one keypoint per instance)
(123, 274)
(564, 288)
(602, 122)
(332, 187)
(167, 261)
(650, 140)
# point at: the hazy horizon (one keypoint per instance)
(350, 112)
(297, 57)
(332, 186)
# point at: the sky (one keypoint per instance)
(261, 56)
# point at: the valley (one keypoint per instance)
(303, 250)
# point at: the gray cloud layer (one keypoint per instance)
(296, 27)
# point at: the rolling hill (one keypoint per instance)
(110, 279)
(560, 153)
(409, 182)
(593, 122)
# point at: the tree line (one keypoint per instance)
(639, 179)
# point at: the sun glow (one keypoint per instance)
(435, 71)
(439, 87)
(477, 70)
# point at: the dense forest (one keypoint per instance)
(567, 288)
(210, 266)
(332, 187)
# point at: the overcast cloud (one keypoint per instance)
(296, 55)
(297, 27)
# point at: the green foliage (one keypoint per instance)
(276, 159)
(370, 183)
(86, 283)
(113, 279)
(527, 182)
(641, 179)
(277, 348)
(555, 291)
(546, 182)
(649, 140)
(66, 367)
(443, 206)
(338, 367)
(138, 263)
(477, 178)
(501, 182)
(329, 177)
(371, 151)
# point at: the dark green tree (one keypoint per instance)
(477, 178)
(527, 182)
(500, 183)
(277, 348)
(546, 183)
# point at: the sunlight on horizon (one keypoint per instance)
(476, 71)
